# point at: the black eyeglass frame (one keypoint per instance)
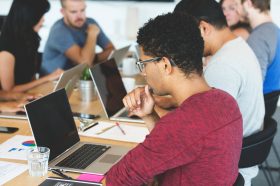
(141, 66)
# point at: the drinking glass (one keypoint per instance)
(38, 161)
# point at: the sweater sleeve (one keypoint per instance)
(162, 150)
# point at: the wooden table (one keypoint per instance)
(93, 107)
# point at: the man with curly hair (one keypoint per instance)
(187, 146)
(233, 66)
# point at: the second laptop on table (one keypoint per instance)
(111, 91)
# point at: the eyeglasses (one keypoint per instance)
(141, 64)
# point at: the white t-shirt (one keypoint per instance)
(235, 69)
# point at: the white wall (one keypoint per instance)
(119, 20)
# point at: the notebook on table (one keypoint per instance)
(64, 182)
(53, 126)
(111, 91)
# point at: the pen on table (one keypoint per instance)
(59, 173)
(118, 125)
(90, 126)
(105, 129)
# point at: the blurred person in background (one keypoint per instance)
(14, 101)
(234, 20)
(265, 42)
(73, 39)
(19, 42)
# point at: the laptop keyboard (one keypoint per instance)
(83, 156)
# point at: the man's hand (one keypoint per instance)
(93, 30)
(11, 96)
(165, 102)
(18, 96)
(139, 102)
(30, 97)
(11, 107)
(55, 75)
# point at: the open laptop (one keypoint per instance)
(69, 78)
(137, 51)
(119, 54)
(53, 126)
(111, 91)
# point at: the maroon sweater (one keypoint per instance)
(199, 143)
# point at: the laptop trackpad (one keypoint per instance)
(110, 158)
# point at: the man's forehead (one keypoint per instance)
(73, 3)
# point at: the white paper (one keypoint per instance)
(132, 133)
(15, 147)
(9, 171)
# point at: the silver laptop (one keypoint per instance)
(53, 126)
(69, 78)
(137, 52)
(111, 91)
(119, 54)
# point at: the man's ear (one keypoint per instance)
(205, 28)
(62, 11)
(167, 67)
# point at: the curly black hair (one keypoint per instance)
(175, 36)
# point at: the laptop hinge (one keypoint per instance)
(76, 144)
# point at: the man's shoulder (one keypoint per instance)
(58, 23)
(59, 29)
(234, 52)
(237, 44)
(91, 20)
(268, 26)
(263, 40)
(236, 61)
(265, 30)
(59, 26)
(214, 100)
(210, 97)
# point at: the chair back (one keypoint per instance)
(239, 181)
(255, 148)
(270, 101)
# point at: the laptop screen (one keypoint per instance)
(69, 78)
(52, 123)
(110, 87)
